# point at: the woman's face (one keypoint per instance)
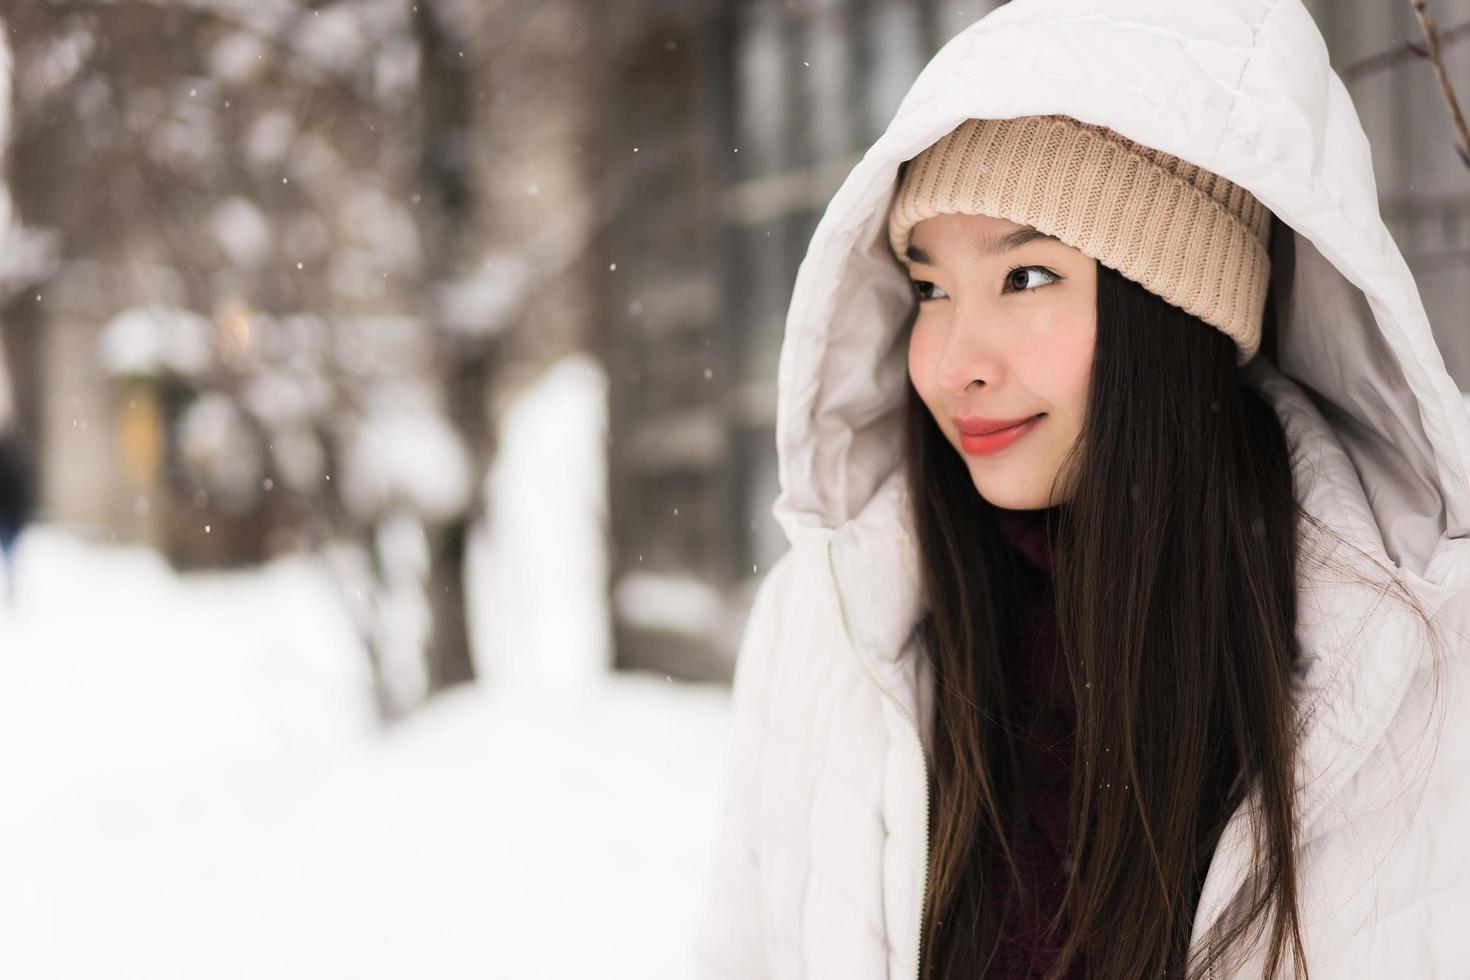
(1005, 331)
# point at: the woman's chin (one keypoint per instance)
(1012, 495)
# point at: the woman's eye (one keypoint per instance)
(1018, 278)
(921, 288)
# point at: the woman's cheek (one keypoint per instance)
(918, 355)
(1059, 358)
(1079, 356)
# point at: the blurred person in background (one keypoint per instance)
(15, 479)
(1123, 628)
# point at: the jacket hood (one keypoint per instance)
(1242, 88)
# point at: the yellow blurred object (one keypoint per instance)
(140, 436)
(233, 325)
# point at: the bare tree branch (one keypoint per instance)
(1401, 51)
(1426, 21)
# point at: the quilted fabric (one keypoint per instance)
(822, 854)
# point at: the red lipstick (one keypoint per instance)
(982, 436)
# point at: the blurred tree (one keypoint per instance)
(280, 231)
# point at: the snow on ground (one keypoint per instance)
(192, 785)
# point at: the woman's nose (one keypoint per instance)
(970, 353)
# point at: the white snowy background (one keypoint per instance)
(193, 784)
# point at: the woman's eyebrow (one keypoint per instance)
(984, 246)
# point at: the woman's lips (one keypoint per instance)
(994, 442)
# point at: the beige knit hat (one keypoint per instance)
(1188, 235)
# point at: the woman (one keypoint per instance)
(1162, 679)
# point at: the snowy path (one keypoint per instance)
(191, 787)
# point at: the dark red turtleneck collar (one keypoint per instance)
(1041, 701)
(1025, 530)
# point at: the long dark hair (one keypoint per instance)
(1174, 570)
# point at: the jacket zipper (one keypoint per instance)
(923, 755)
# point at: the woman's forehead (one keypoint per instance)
(974, 236)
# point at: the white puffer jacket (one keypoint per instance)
(823, 851)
